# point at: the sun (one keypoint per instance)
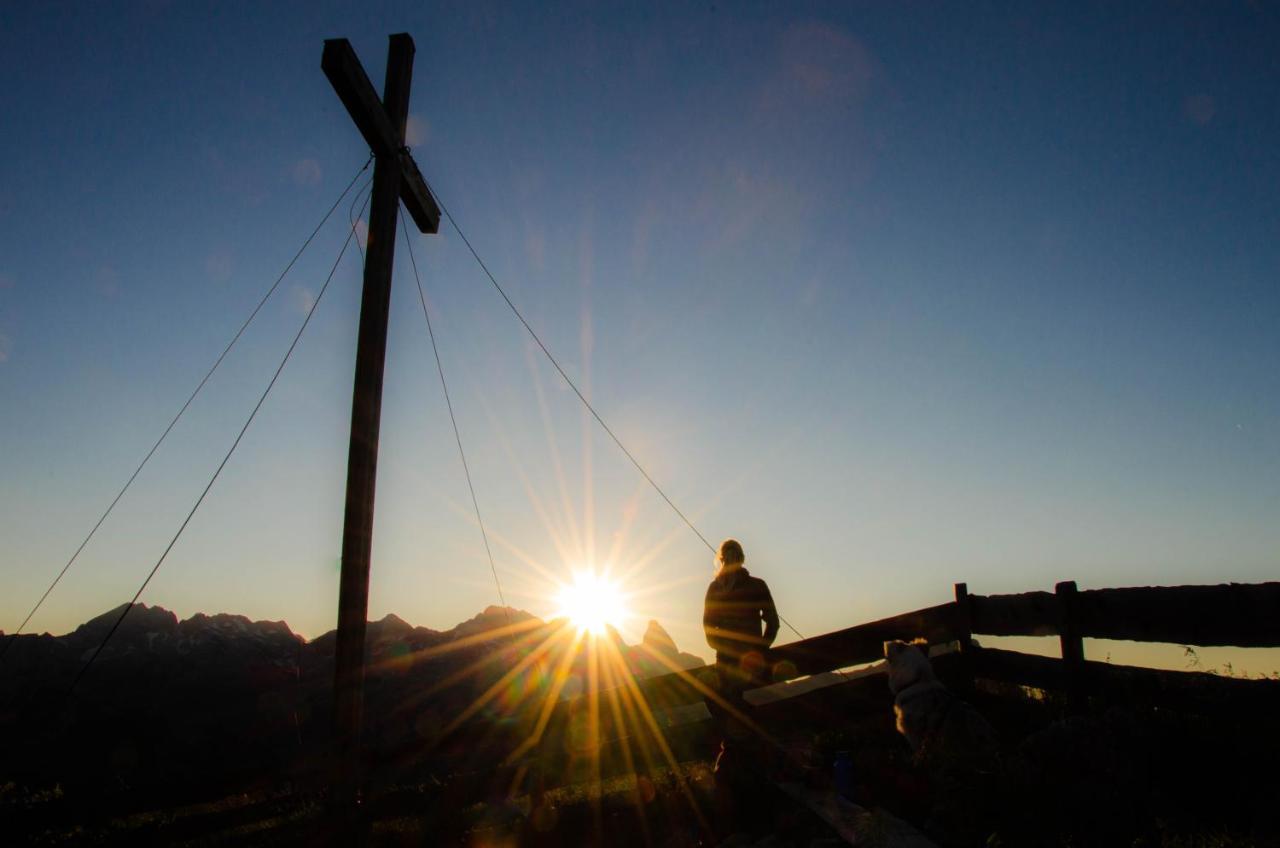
(591, 602)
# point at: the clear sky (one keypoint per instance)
(897, 294)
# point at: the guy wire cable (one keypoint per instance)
(351, 210)
(7, 642)
(564, 375)
(485, 268)
(431, 333)
(221, 465)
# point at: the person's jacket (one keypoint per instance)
(736, 607)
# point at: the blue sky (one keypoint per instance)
(897, 295)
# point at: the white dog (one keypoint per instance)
(937, 725)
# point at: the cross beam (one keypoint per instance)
(347, 76)
(395, 177)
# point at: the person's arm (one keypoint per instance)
(710, 623)
(769, 613)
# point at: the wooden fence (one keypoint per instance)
(603, 726)
(1242, 615)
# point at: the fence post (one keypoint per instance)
(964, 618)
(1071, 642)
(963, 623)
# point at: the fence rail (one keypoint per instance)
(1235, 614)
(1241, 615)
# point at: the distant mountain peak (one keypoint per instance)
(140, 618)
(515, 614)
(657, 653)
(390, 624)
(493, 618)
(657, 639)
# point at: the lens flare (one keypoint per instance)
(590, 603)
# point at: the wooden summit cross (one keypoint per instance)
(395, 178)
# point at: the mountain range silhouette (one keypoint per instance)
(217, 701)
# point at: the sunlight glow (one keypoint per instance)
(590, 602)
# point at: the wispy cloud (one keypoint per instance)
(106, 281)
(304, 299)
(306, 172)
(535, 247)
(416, 131)
(819, 63)
(1199, 109)
(218, 266)
(6, 342)
(238, 176)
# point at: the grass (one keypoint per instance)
(411, 816)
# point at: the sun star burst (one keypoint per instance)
(591, 602)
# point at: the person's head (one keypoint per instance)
(730, 555)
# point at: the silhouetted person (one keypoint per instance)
(741, 623)
(736, 608)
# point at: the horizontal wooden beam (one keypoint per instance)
(1235, 614)
(1240, 615)
(347, 76)
(865, 642)
(1025, 614)
(417, 197)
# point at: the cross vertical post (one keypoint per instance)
(395, 177)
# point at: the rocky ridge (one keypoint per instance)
(217, 698)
